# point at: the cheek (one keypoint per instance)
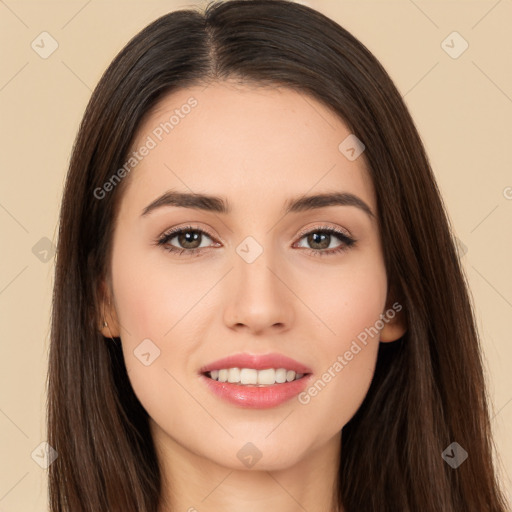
(345, 372)
(152, 294)
(152, 302)
(360, 305)
(347, 303)
(350, 306)
(336, 394)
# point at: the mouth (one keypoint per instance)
(253, 377)
(256, 381)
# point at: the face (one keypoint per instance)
(295, 289)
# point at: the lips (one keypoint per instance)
(252, 393)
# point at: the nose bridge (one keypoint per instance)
(259, 298)
(253, 262)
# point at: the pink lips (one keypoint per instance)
(253, 396)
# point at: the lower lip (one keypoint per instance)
(256, 397)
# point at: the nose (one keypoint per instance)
(260, 300)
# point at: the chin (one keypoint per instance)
(259, 455)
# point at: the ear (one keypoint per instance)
(108, 313)
(395, 322)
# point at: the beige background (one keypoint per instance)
(462, 107)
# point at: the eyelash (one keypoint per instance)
(348, 242)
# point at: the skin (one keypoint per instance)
(258, 147)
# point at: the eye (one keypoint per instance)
(320, 239)
(188, 237)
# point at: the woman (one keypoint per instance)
(203, 357)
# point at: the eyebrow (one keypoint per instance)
(219, 204)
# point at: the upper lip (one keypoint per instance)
(258, 362)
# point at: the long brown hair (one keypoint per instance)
(428, 390)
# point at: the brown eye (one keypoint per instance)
(188, 239)
(320, 239)
(185, 240)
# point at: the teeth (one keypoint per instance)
(281, 375)
(250, 376)
(234, 375)
(267, 377)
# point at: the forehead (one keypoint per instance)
(249, 143)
